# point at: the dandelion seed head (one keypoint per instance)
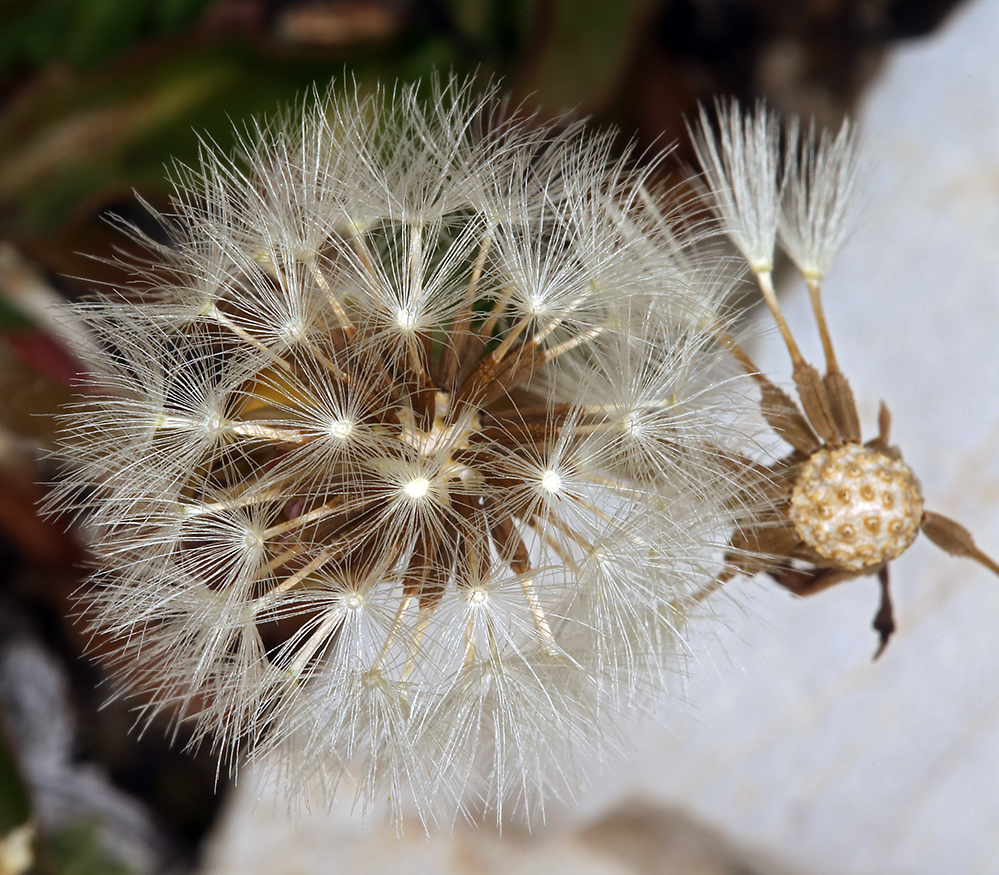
(429, 489)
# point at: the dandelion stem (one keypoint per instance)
(619, 488)
(248, 498)
(553, 352)
(225, 321)
(556, 321)
(469, 641)
(416, 261)
(315, 564)
(459, 332)
(332, 506)
(508, 341)
(534, 603)
(304, 519)
(308, 649)
(258, 430)
(324, 360)
(715, 584)
(361, 249)
(628, 532)
(563, 527)
(738, 353)
(341, 315)
(279, 560)
(423, 618)
(499, 305)
(612, 411)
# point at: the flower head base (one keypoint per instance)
(842, 507)
(414, 463)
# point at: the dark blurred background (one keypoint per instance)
(97, 98)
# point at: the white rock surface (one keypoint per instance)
(795, 745)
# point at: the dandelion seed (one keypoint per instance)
(744, 169)
(406, 319)
(419, 461)
(823, 196)
(341, 429)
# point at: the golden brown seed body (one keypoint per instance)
(856, 506)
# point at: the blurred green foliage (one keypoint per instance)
(84, 32)
(14, 807)
(76, 850)
(105, 93)
(95, 138)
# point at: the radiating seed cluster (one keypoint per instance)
(856, 505)
(406, 455)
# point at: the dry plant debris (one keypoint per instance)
(840, 507)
